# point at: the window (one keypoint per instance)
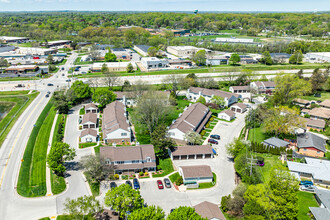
(120, 162)
(172, 133)
(123, 134)
(305, 149)
(318, 152)
(148, 159)
(135, 161)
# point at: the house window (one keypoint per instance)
(148, 159)
(135, 161)
(305, 149)
(120, 162)
(172, 133)
(318, 152)
(123, 134)
(89, 140)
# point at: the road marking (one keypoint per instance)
(15, 141)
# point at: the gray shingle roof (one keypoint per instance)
(320, 213)
(144, 48)
(275, 142)
(310, 140)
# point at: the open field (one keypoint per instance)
(165, 165)
(21, 101)
(305, 200)
(32, 175)
(324, 96)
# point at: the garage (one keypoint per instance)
(92, 126)
(176, 157)
(191, 152)
(183, 157)
(207, 155)
(191, 157)
(199, 156)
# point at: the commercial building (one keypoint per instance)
(6, 39)
(311, 145)
(321, 57)
(154, 63)
(122, 53)
(6, 48)
(57, 43)
(193, 93)
(234, 40)
(196, 174)
(36, 51)
(113, 66)
(130, 159)
(280, 57)
(115, 124)
(183, 51)
(193, 118)
(191, 152)
(142, 49)
(217, 60)
(22, 69)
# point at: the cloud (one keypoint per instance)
(5, 1)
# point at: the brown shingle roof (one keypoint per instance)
(318, 112)
(301, 101)
(90, 105)
(114, 118)
(196, 171)
(240, 105)
(192, 150)
(315, 123)
(241, 87)
(209, 210)
(140, 152)
(191, 118)
(229, 112)
(325, 103)
(89, 117)
(210, 92)
(269, 83)
(88, 131)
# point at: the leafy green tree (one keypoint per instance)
(103, 96)
(201, 100)
(193, 138)
(200, 58)
(59, 153)
(126, 86)
(104, 69)
(130, 68)
(147, 213)
(85, 205)
(79, 92)
(184, 212)
(234, 59)
(253, 118)
(266, 58)
(124, 199)
(110, 57)
(296, 57)
(318, 79)
(50, 59)
(161, 140)
(95, 168)
(236, 147)
(152, 51)
(3, 62)
(257, 201)
(61, 103)
(289, 87)
(218, 100)
(248, 173)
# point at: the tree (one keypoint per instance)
(147, 213)
(85, 205)
(61, 103)
(199, 58)
(257, 201)
(151, 109)
(234, 59)
(235, 148)
(50, 59)
(201, 100)
(318, 79)
(152, 51)
(161, 140)
(253, 118)
(103, 96)
(282, 120)
(248, 173)
(208, 82)
(235, 205)
(193, 138)
(296, 57)
(218, 100)
(289, 87)
(3, 62)
(59, 153)
(176, 83)
(94, 52)
(184, 212)
(126, 86)
(79, 92)
(130, 68)
(93, 83)
(95, 168)
(124, 199)
(110, 57)
(266, 58)
(110, 79)
(300, 74)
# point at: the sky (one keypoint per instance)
(165, 5)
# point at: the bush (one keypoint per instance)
(211, 119)
(146, 173)
(179, 181)
(124, 177)
(224, 203)
(141, 173)
(203, 133)
(116, 176)
(207, 125)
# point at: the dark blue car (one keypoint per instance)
(136, 183)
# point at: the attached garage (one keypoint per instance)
(176, 157)
(208, 155)
(238, 107)
(191, 152)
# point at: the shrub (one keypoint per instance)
(124, 177)
(146, 173)
(207, 125)
(179, 181)
(203, 133)
(224, 202)
(141, 173)
(116, 176)
(211, 119)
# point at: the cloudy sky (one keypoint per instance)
(165, 5)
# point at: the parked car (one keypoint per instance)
(309, 188)
(129, 183)
(50, 84)
(48, 92)
(306, 183)
(160, 184)
(215, 136)
(248, 106)
(172, 210)
(62, 74)
(167, 183)
(113, 185)
(68, 80)
(212, 141)
(136, 183)
(83, 72)
(62, 68)
(20, 85)
(47, 95)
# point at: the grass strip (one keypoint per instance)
(165, 165)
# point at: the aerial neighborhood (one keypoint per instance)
(164, 115)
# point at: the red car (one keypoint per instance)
(160, 184)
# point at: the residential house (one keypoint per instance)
(238, 107)
(243, 91)
(115, 124)
(193, 118)
(89, 120)
(315, 124)
(142, 49)
(310, 144)
(193, 93)
(323, 198)
(88, 135)
(130, 158)
(316, 169)
(325, 103)
(91, 107)
(317, 113)
(154, 63)
(191, 152)
(121, 53)
(113, 66)
(263, 86)
(209, 211)
(302, 102)
(227, 115)
(196, 174)
(275, 142)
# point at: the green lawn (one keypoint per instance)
(46, 218)
(174, 177)
(21, 101)
(270, 161)
(257, 134)
(58, 183)
(94, 186)
(165, 165)
(305, 200)
(63, 62)
(324, 96)
(32, 175)
(207, 185)
(82, 111)
(68, 217)
(84, 145)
